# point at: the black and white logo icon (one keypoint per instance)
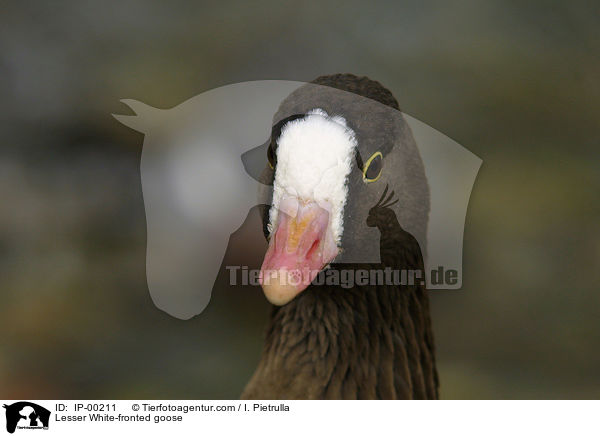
(26, 415)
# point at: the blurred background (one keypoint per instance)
(517, 83)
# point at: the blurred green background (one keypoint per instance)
(515, 82)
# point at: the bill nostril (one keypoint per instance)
(312, 249)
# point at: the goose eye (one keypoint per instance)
(271, 157)
(373, 167)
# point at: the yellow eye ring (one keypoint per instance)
(374, 156)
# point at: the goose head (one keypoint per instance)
(330, 156)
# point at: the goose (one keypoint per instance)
(339, 175)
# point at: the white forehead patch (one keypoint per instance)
(314, 158)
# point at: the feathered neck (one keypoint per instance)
(366, 342)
